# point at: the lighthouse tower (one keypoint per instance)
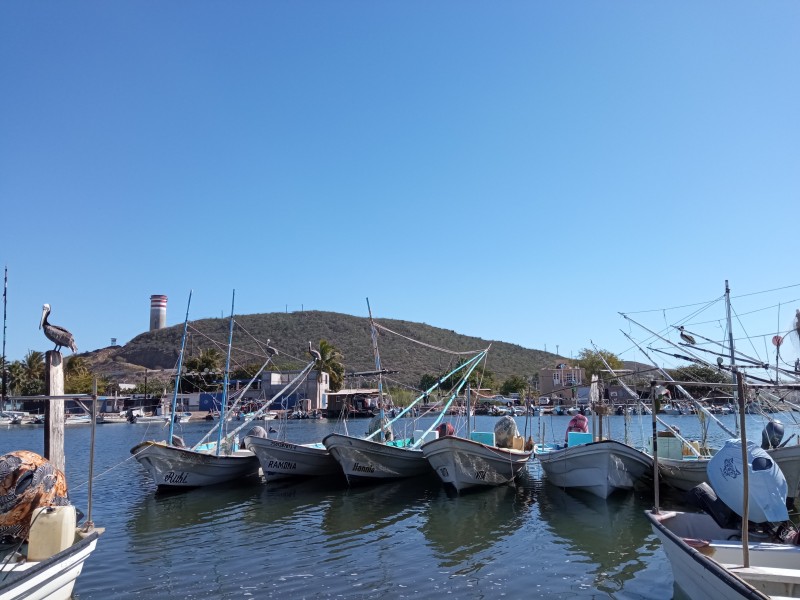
(158, 312)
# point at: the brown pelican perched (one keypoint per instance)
(689, 339)
(270, 350)
(58, 335)
(314, 353)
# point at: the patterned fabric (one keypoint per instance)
(27, 481)
(577, 423)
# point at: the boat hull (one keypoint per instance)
(713, 571)
(598, 467)
(464, 463)
(172, 467)
(364, 460)
(687, 473)
(284, 460)
(51, 579)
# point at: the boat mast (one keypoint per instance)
(3, 367)
(178, 372)
(374, 334)
(730, 344)
(225, 379)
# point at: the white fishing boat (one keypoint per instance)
(713, 559)
(683, 469)
(600, 467)
(365, 460)
(181, 417)
(706, 560)
(371, 459)
(173, 465)
(282, 460)
(10, 418)
(47, 567)
(475, 462)
(707, 552)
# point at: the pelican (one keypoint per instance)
(270, 350)
(58, 335)
(314, 353)
(686, 337)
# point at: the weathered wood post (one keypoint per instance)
(54, 410)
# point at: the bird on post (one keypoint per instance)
(686, 337)
(314, 353)
(58, 335)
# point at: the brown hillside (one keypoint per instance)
(290, 334)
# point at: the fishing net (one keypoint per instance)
(27, 481)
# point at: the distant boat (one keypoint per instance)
(10, 418)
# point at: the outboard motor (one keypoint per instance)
(257, 431)
(704, 498)
(772, 435)
(768, 488)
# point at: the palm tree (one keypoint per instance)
(330, 362)
(78, 379)
(209, 362)
(16, 377)
(33, 373)
(75, 365)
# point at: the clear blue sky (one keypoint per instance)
(519, 171)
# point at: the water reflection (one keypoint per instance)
(165, 512)
(459, 527)
(369, 508)
(610, 536)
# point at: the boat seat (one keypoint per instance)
(774, 574)
(577, 438)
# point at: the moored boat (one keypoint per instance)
(281, 460)
(465, 463)
(599, 467)
(706, 559)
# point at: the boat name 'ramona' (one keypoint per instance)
(283, 465)
(174, 478)
(359, 468)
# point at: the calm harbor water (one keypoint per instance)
(321, 539)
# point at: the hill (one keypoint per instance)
(290, 334)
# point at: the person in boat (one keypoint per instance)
(577, 423)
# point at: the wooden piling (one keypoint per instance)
(54, 410)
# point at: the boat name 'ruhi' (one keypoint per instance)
(174, 478)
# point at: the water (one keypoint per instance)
(313, 539)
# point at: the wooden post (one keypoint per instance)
(54, 410)
(654, 407)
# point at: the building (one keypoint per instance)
(316, 392)
(560, 384)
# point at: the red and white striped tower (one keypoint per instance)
(158, 312)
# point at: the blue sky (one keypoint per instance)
(519, 171)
